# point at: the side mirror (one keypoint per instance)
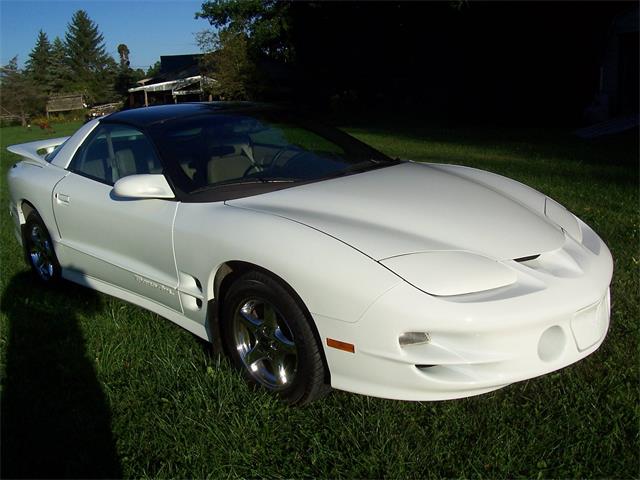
(143, 186)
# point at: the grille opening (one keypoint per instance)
(423, 367)
(526, 259)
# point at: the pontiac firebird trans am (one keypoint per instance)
(314, 260)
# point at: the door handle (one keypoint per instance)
(63, 199)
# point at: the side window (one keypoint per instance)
(92, 158)
(50, 156)
(113, 152)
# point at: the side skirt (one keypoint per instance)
(93, 283)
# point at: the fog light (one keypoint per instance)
(413, 338)
(551, 344)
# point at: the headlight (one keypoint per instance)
(447, 273)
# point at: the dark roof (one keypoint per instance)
(173, 63)
(147, 116)
(177, 67)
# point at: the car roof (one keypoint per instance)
(147, 116)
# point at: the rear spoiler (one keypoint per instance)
(36, 150)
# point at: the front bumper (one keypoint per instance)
(554, 315)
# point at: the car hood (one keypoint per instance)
(412, 207)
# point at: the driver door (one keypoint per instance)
(126, 243)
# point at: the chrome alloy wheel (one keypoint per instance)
(265, 343)
(41, 252)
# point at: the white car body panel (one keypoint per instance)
(360, 251)
(144, 302)
(33, 182)
(446, 273)
(411, 208)
(36, 150)
(260, 237)
(143, 186)
(481, 341)
(135, 252)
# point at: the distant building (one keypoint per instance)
(65, 103)
(179, 80)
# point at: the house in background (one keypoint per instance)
(179, 80)
(66, 102)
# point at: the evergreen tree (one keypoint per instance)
(60, 71)
(38, 67)
(153, 70)
(18, 94)
(92, 68)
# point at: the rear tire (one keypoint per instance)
(270, 339)
(39, 251)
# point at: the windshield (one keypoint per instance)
(234, 149)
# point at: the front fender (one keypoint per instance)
(332, 279)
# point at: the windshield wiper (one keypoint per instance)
(276, 179)
(235, 181)
(245, 181)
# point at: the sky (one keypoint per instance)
(149, 28)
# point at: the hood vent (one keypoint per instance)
(526, 259)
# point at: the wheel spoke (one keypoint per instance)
(254, 355)
(283, 343)
(250, 321)
(249, 318)
(37, 259)
(270, 320)
(37, 241)
(280, 372)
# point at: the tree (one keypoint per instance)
(123, 51)
(247, 33)
(59, 69)
(266, 24)
(93, 69)
(18, 94)
(38, 67)
(126, 77)
(229, 63)
(153, 70)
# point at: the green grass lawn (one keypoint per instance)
(93, 386)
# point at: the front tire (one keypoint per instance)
(269, 338)
(38, 249)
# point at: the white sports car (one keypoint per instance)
(312, 259)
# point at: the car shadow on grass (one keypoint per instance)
(55, 419)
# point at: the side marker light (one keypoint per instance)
(347, 347)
